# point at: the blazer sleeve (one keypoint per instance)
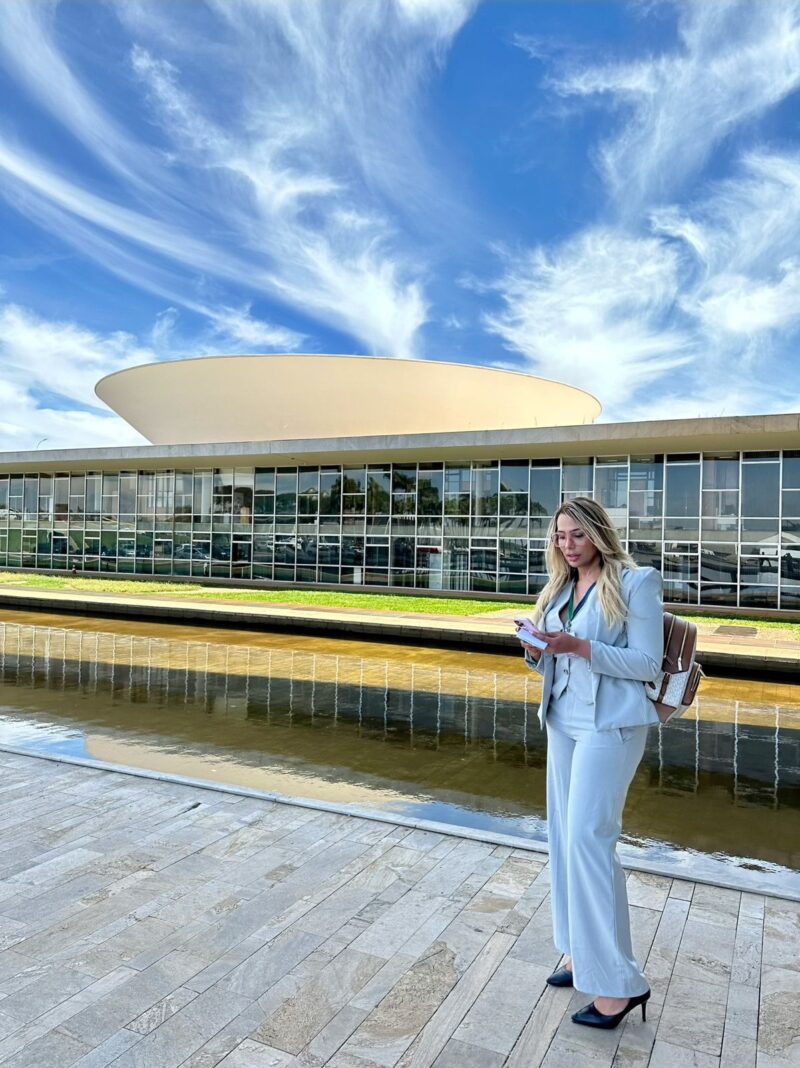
(645, 626)
(534, 665)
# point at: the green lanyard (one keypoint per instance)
(572, 611)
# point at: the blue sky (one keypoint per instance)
(607, 194)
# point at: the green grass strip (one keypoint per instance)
(385, 602)
(321, 598)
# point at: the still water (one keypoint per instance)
(418, 732)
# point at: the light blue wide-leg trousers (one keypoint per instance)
(588, 775)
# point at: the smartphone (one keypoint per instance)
(527, 636)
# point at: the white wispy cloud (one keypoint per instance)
(709, 286)
(288, 183)
(653, 308)
(47, 385)
(745, 239)
(50, 368)
(734, 60)
(250, 334)
(30, 52)
(27, 173)
(592, 312)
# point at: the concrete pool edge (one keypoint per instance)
(751, 882)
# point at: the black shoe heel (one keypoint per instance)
(592, 1017)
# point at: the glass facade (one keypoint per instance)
(724, 528)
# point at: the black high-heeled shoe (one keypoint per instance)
(590, 1016)
(562, 977)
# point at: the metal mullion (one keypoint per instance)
(780, 525)
(628, 505)
(739, 532)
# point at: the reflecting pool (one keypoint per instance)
(425, 733)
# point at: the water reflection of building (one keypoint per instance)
(377, 480)
(753, 748)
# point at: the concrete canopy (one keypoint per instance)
(291, 397)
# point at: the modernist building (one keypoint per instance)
(397, 473)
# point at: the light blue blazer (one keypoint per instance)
(624, 657)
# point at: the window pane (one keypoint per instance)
(611, 488)
(456, 503)
(402, 552)
(482, 558)
(513, 527)
(455, 554)
(354, 480)
(265, 479)
(485, 487)
(718, 594)
(308, 504)
(404, 478)
(202, 494)
(791, 504)
(457, 478)
(791, 470)
(720, 502)
(683, 490)
(404, 503)
(353, 503)
(577, 478)
(761, 570)
(760, 489)
(286, 494)
(545, 490)
(513, 555)
(514, 476)
(514, 504)
(680, 567)
(647, 473)
(680, 592)
(790, 566)
(646, 553)
(330, 493)
(429, 525)
(307, 480)
(758, 596)
(721, 472)
(718, 564)
(759, 530)
(681, 528)
(379, 484)
(646, 528)
(720, 528)
(429, 492)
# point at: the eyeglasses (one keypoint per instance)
(577, 537)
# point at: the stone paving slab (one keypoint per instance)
(235, 931)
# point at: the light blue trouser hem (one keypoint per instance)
(588, 775)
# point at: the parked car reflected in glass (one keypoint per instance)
(191, 552)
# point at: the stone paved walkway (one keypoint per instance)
(148, 924)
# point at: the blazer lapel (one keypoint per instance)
(561, 600)
(599, 619)
(558, 605)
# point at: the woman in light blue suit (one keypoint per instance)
(602, 619)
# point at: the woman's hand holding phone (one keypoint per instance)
(530, 636)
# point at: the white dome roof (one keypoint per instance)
(296, 397)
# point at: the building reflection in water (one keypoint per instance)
(465, 735)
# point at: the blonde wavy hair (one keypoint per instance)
(596, 523)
